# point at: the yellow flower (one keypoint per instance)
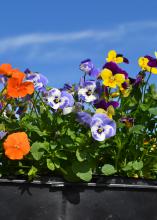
(110, 111)
(112, 80)
(143, 63)
(112, 57)
(115, 94)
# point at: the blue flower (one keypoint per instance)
(59, 99)
(102, 127)
(86, 93)
(39, 80)
(88, 68)
(2, 134)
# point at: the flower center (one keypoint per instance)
(112, 79)
(16, 146)
(57, 100)
(100, 130)
(89, 92)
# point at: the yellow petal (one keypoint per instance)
(119, 60)
(119, 78)
(111, 55)
(155, 54)
(142, 61)
(153, 70)
(110, 83)
(101, 111)
(106, 74)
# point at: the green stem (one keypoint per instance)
(144, 90)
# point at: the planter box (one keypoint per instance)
(102, 199)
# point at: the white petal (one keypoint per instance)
(67, 110)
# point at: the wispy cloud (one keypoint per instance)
(118, 32)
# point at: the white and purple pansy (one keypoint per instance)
(39, 80)
(87, 67)
(86, 93)
(59, 99)
(102, 127)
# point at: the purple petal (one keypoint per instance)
(84, 118)
(152, 61)
(115, 69)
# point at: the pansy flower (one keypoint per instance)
(117, 58)
(102, 127)
(111, 80)
(39, 80)
(115, 69)
(86, 93)
(59, 99)
(148, 64)
(128, 121)
(87, 67)
(16, 145)
(16, 87)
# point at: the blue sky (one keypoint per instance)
(52, 37)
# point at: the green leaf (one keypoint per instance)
(81, 155)
(50, 164)
(128, 166)
(108, 169)
(137, 129)
(83, 170)
(137, 165)
(59, 120)
(61, 155)
(153, 111)
(38, 149)
(144, 107)
(32, 172)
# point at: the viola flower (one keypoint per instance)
(6, 69)
(86, 93)
(148, 63)
(39, 80)
(102, 127)
(115, 69)
(117, 58)
(111, 80)
(3, 134)
(128, 121)
(88, 68)
(16, 145)
(106, 107)
(17, 88)
(59, 99)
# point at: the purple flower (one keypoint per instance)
(104, 105)
(86, 93)
(39, 80)
(115, 69)
(102, 127)
(59, 99)
(88, 68)
(3, 79)
(84, 118)
(128, 121)
(2, 134)
(152, 61)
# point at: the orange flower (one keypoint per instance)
(16, 145)
(7, 69)
(16, 87)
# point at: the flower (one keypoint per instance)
(16, 145)
(102, 127)
(86, 93)
(6, 69)
(112, 80)
(88, 68)
(3, 134)
(117, 58)
(148, 64)
(39, 80)
(128, 121)
(115, 69)
(58, 99)
(17, 88)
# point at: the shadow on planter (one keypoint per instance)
(102, 199)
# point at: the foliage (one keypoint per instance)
(106, 124)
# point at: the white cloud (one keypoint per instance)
(118, 32)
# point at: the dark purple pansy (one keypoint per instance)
(115, 69)
(152, 61)
(104, 105)
(87, 67)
